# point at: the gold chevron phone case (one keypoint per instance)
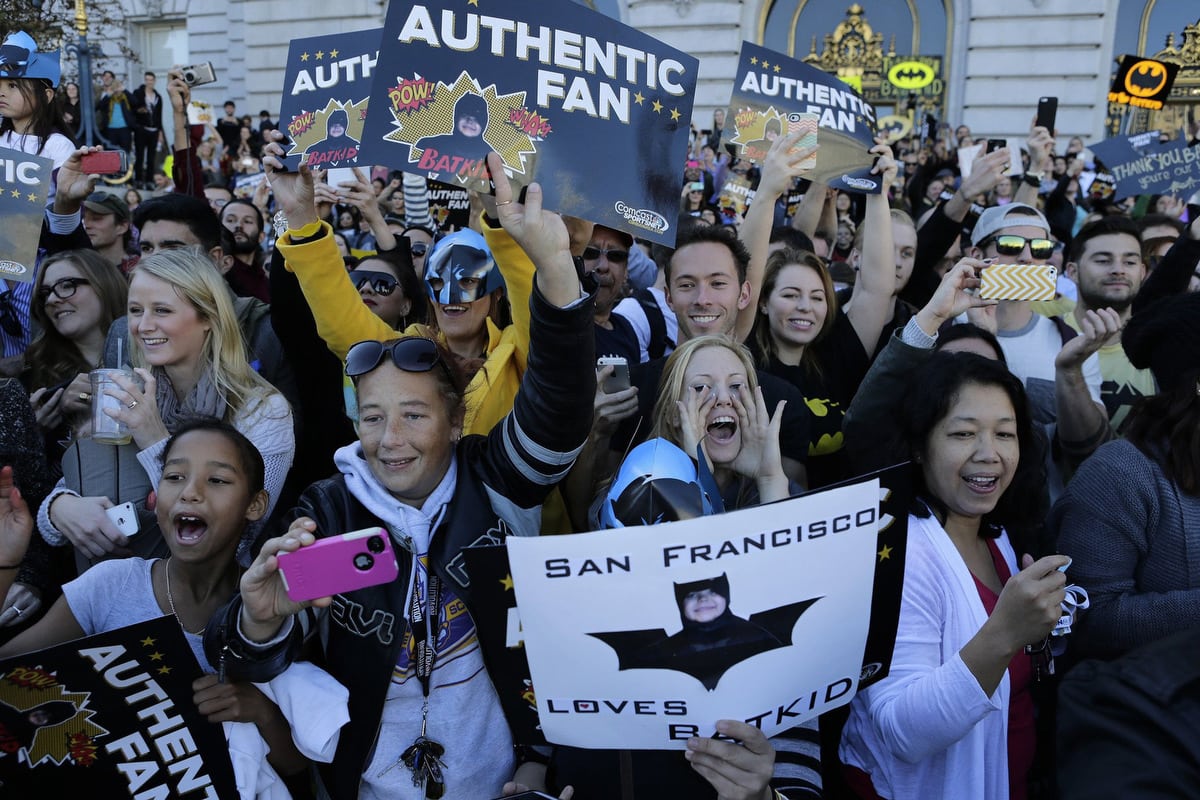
(1018, 282)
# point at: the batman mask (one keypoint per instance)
(460, 269)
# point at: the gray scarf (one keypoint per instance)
(202, 401)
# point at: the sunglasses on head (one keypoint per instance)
(380, 282)
(62, 289)
(613, 256)
(411, 354)
(418, 248)
(1012, 245)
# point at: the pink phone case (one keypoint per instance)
(339, 564)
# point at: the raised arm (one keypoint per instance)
(871, 305)
(309, 251)
(780, 166)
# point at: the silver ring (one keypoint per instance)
(84, 396)
(503, 203)
(18, 610)
(132, 404)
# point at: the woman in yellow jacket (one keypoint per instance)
(343, 320)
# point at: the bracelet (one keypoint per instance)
(1031, 180)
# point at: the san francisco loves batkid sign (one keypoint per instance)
(643, 637)
(110, 716)
(772, 90)
(593, 110)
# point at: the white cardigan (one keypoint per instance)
(928, 730)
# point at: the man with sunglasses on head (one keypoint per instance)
(437, 492)
(1059, 368)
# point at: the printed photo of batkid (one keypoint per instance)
(426, 720)
(466, 140)
(211, 490)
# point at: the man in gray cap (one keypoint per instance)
(106, 221)
(1059, 367)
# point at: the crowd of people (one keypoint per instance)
(310, 359)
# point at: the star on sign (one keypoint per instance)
(765, 65)
(674, 114)
(753, 59)
(639, 98)
(507, 583)
(156, 656)
(473, 3)
(777, 68)
(32, 197)
(885, 553)
(164, 670)
(148, 641)
(320, 54)
(333, 53)
(16, 193)
(304, 56)
(657, 107)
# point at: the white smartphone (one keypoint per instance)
(340, 175)
(124, 517)
(619, 380)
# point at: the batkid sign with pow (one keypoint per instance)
(772, 90)
(593, 110)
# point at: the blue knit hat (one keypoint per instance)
(19, 58)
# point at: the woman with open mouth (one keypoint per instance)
(955, 716)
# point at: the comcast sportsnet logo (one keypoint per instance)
(13, 268)
(643, 218)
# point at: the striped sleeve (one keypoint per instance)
(416, 202)
(798, 762)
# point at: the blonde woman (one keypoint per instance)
(187, 350)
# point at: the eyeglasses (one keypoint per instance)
(62, 289)
(411, 354)
(613, 256)
(1012, 245)
(380, 282)
(418, 248)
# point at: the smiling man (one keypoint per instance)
(106, 221)
(246, 274)
(1106, 265)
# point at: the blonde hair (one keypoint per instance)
(671, 388)
(194, 277)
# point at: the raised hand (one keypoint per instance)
(954, 295)
(293, 190)
(1097, 327)
(265, 604)
(783, 163)
(759, 456)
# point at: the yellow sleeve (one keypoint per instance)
(342, 319)
(1058, 307)
(518, 272)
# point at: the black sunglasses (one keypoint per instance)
(1011, 245)
(418, 248)
(62, 289)
(380, 282)
(411, 354)
(613, 256)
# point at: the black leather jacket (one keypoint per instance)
(502, 480)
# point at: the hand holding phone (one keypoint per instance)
(1046, 112)
(106, 162)
(124, 517)
(339, 564)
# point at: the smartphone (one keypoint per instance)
(1046, 112)
(807, 125)
(124, 517)
(1018, 282)
(339, 175)
(995, 144)
(338, 564)
(199, 74)
(106, 162)
(619, 380)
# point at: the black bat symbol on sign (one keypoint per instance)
(1146, 78)
(915, 74)
(707, 661)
